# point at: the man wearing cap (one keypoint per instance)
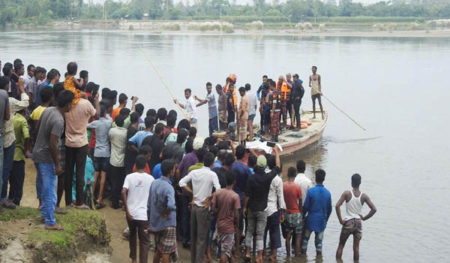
(258, 186)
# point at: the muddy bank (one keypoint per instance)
(116, 251)
(24, 239)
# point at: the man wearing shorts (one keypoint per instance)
(292, 223)
(226, 205)
(351, 224)
(315, 82)
(162, 214)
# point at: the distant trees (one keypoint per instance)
(18, 11)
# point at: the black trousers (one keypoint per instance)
(16, 181)
(117, 176)
(297, 112)
(75, 158)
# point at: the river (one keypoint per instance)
(397, 88)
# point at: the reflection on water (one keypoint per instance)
(314, 156)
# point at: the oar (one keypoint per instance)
(162, 81)
(343, 112)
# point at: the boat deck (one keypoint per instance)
(291, 141)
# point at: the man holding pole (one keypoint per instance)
(189, 107)
(315, 82)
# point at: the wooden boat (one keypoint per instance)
(293, 141)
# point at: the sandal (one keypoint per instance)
(54, 227)
(99, 206)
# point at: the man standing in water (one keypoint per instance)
(315, 82)
(316, 211)
(351, 224)
(212, 107)
(190, 107)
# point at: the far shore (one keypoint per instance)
(221, 28)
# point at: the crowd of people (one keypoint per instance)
(217, 198)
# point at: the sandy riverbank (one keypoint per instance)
(405, 30)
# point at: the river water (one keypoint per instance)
(397, 88)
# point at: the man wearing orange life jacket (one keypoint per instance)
(231, 80)
(285, 92)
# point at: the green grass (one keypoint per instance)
(84, 230)
(20, 213)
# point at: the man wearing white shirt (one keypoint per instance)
(275, 211)
(301, 180)
(203, 180)
(135, 192)
(190, 107)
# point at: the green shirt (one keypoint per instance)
(22, 132)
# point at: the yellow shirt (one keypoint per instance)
(36, 114)
(70, 86)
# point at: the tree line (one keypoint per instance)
(42, 11)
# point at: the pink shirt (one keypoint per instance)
(76, 121)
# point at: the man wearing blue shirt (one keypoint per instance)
(138, 137)
(317, 210)
(162, 213)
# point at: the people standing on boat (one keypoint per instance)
(297, 93)
(261, 93)
(212, 108)
(231, 104)
(231, 81)
(190, 107)
(315, 82)
(222, 108)
(352, 222)
(252, 106)
(316, 212)
(289, 105)
(265, 108)
(243, 116)
(285, 92)
(275, 110)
